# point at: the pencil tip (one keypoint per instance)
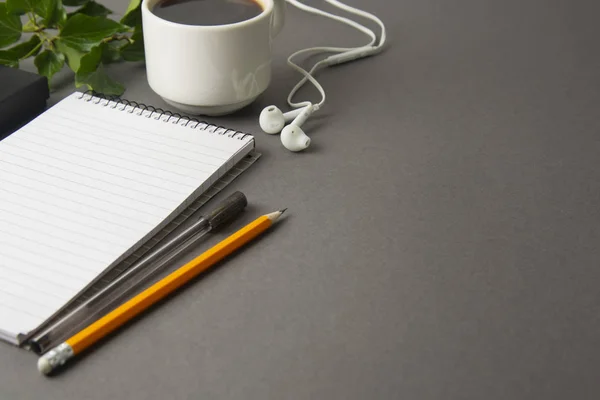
(276, 214)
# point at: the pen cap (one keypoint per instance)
(227, 210)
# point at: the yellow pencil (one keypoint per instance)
(76, 344)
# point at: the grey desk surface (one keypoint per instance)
(442, 237)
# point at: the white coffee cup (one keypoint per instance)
(211, 70)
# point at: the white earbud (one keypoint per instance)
(272, 120)
(293, 137)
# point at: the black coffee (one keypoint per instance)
(206, 12)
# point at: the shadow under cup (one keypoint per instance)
(208, 69)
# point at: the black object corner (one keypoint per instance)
(23, 97)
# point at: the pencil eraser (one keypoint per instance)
(44, 365)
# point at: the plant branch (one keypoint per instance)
(118, 37)
(33, 51)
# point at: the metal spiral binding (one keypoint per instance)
(144, 110)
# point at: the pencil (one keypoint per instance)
(79, 342)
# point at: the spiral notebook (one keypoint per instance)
(85, 185)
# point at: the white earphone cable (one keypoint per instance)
(363, 14)
(368, 49)
(354, 24)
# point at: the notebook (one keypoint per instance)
(86, 184)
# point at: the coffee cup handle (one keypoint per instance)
(278, 19)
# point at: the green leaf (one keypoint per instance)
(92, 74)
(28, 48)
(61, 14)
(92, 9)
(20, 7)
(135, 50)
(82, 32)
(48, 10)
(133, 4)
(99, 81)
(73, 57)
(9, 59)
(74, 3)
(111, 51)
(133, 14)
(92, 59)
(10, 27)
(52, 12)
(49, 63)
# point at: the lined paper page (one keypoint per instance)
(81, 185)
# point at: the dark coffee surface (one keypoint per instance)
(206, 12)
